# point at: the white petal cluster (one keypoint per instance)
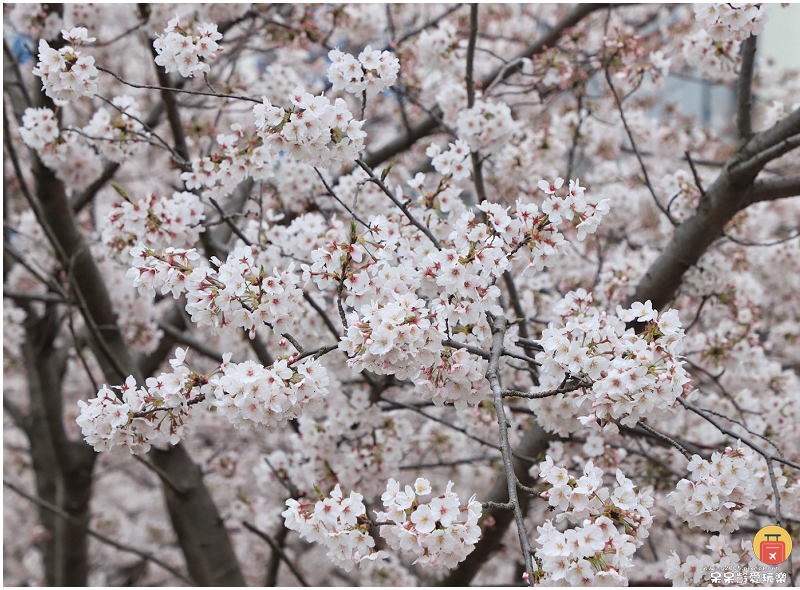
(74, 163)
(731, 20)
(29, 18)
(486, 126)
(456, 377)
(13, 330)
(185, 52)
(66, 74)
(575, 206)
(118, 135)
(454, 162)
(720, 493)
(372, 72)
(154, 222)
(166, 272)
(627, 376)
(339, 524)
(709, 567)
(39, 128)
(233, 158)
(137, 417)
(440, 532)
(440, 50)
(613, 523)
(247, 394)
(313, 130)
(252, 396)
(392, 339)
(239, 293)
(717, 60)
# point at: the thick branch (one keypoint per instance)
(732, 191)
(119, 546)
(774, 188)
(744, 113)
(201, 532)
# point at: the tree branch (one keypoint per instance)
(732, 191)
(493, 376)
(428, 125)
(745, 88)
(278, 550)
(108, 541)
(773, 189)
(366, 168)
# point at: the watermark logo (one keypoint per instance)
(772, 545)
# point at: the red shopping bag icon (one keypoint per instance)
(772, 552)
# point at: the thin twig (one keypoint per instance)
(666, 439)
(366, 168)
(179, 90)
(635, 148)
(542, 394)
(697, 181)
(77, 522)
(277, 549)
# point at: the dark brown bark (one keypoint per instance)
(204, 540)
(201, 531)
(734, 189)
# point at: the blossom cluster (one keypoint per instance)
(719, 495)
(452, 162)
(584, 212)
(612, 525)
(624, 376)
(66, 74)
(30, 19)
(456, 377)
(138, 417)
(731, 20)
(483, 251)
(117, 135)
(385, 338)
(229, 163)
(74, 163)
(154, 222)
(188, 54)
(166, 272)
(39, 128)
(709, 567)
(440, 532)
(486, 126)
(252, 396)
(247, 394)
(239, 293)
(372, 72)
(717, 60)
(313, 130)
(439, 48)
(343, 261)
(339, 524)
